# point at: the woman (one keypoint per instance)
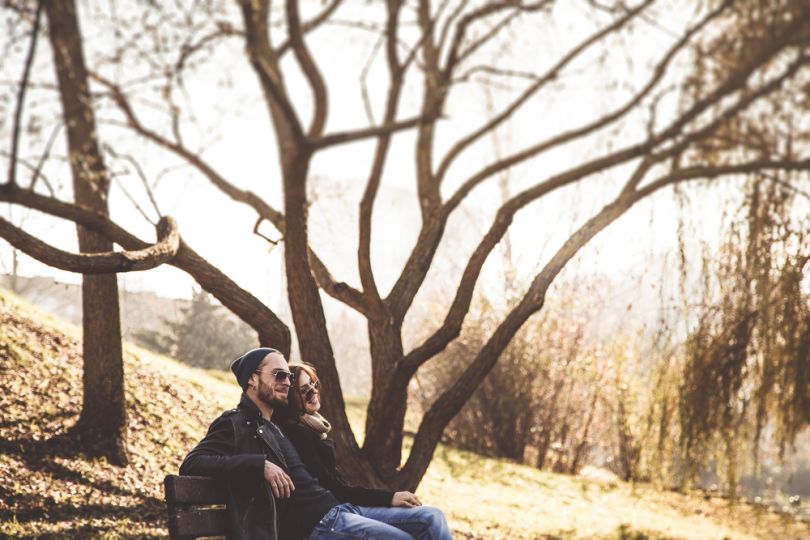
(307, 430)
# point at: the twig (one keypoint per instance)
(168, 170)
(784, 183)
(42, 158)
(114, 176)
(132, 161)
(15, 135)
(492, 70)
(260, 235)
(188, 48)
(478, 43)
(364, 77)
(25, 163)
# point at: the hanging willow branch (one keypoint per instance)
(746, 361)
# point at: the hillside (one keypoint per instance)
(49, 488)
(144, 312)
(139, 310)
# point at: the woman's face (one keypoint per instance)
(310, 395)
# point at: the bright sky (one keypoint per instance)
(232, 123)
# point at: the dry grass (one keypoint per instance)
(49, 487)
(506, 500)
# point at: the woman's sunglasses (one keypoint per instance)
(308, 390)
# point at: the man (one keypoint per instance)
(270, 493)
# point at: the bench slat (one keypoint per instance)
(190, 490)
(198, 522)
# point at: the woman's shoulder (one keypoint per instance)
(297, 430)
(291, 426)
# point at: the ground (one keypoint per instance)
(50, 488)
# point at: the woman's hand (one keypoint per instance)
(405, 498)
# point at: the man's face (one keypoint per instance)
(268, 387)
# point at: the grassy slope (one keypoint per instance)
(48, 487)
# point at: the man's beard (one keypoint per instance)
(268, 395)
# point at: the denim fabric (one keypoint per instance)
(350, 521)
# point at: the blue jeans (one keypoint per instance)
(350, 521)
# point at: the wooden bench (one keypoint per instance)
(196, 506)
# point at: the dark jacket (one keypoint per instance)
(234, 450)
(318, 455)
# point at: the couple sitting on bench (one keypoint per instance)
(279, 468)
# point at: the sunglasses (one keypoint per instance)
(308, 390)
(281, 375)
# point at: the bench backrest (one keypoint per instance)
(196, 506)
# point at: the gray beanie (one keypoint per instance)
(248, 363)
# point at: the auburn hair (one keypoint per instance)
(295, 401)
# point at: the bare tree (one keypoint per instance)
(103, 418)
(437, 50)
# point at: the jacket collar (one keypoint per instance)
(252, 410)
(247, 406)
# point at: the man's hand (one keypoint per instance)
(279, 482)
(405, 498)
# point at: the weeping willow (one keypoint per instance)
(745, 378)
(746, 369)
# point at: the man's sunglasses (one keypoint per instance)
(281, 375)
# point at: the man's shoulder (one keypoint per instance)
(227, 416)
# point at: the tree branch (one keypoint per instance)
(444, 32)
(434, 93)
(451, 401)
(271, 330)
(453, 54)
(339, 290)
(490, 34)
(452, 325)
(258, 233)
(310, 25)
(97, 263)
(387, 128)
(709, 171)
(137, 166)
(395, 74)
(36, 172)
(29, 60)
(188, 49)
(658, 73)
(264, 61)
(419, 261)
(320, 101)
(552, 74)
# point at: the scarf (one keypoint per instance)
(317, 423)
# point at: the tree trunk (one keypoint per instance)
(389, 396)
(308, 314)
(103, 418)
(15, 264)
(450, 403)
